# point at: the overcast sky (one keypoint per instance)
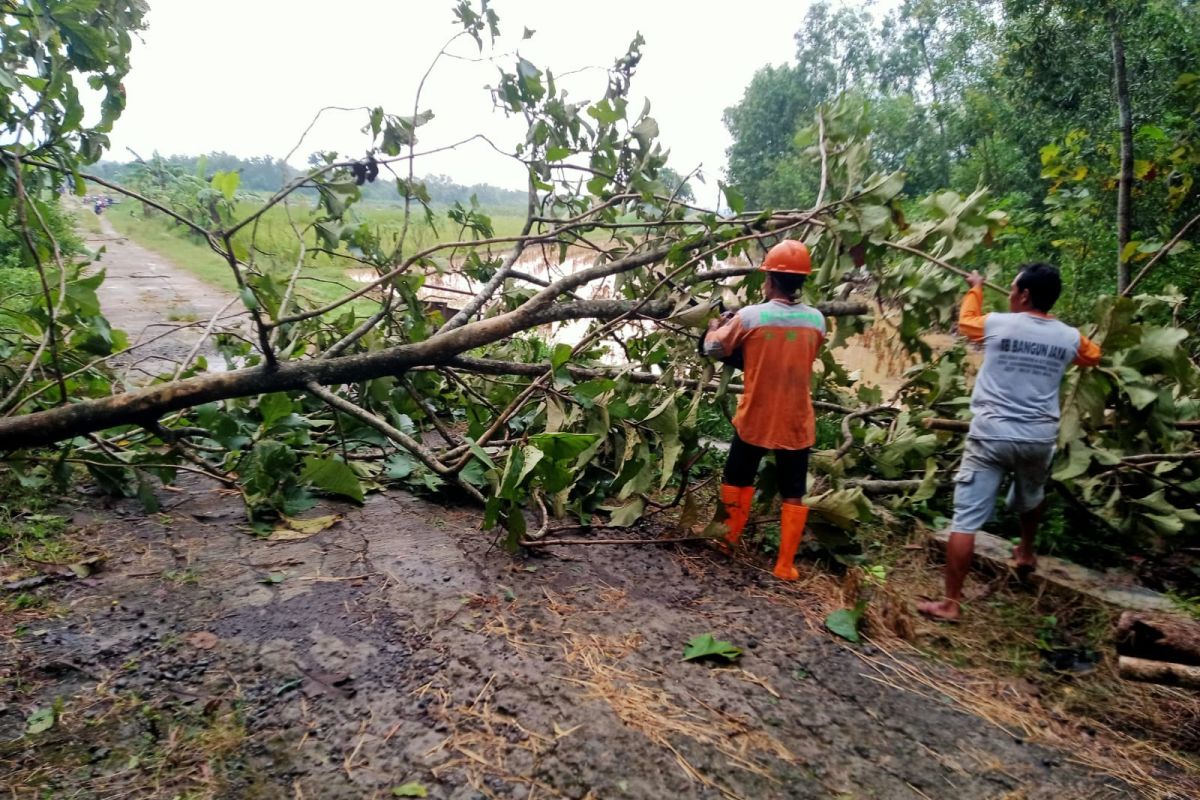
(247, 77)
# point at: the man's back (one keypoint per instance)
(1016, 395)
(779, 342)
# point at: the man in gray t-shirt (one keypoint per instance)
(1016, 407)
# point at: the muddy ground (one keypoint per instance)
(401, 646)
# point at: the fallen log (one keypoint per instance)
(144, 406)
(1158, 638)
(873, 487)
(1163, 672)
(995, 554)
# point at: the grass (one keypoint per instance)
(29, 530)
(274, 247)
(1054, 647)
(84, 217)
(130, 747)
(16, 283)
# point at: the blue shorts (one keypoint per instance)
(985, 462)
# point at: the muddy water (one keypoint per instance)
(401, 645)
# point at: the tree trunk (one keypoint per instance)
(144, 406)
(1125, 180)
(938, 112)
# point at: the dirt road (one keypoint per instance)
(401, 646)
(157, 304)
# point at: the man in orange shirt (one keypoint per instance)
(778, 341)
(1015, 410)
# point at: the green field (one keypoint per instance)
(274, 247)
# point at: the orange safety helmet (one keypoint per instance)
(788, 256)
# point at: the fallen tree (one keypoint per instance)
(490, 394)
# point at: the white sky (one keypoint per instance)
(247, 77)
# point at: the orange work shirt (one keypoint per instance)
(779, 342)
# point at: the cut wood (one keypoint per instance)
(1159, 637)
(1164, 672)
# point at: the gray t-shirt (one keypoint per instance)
(1016, 393)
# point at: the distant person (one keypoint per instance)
(98, 206)
(1016, 410)
(776, 343)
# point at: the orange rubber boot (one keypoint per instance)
(736, 501)
(790, 532)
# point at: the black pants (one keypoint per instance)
(791, 466)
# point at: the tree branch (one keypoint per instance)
(396, 435)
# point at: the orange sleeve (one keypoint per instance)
(722, 342)
(1089, 352)
(971, 316)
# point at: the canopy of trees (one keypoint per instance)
(1080, 117)
(270, 174)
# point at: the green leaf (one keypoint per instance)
(145, 493)
(274, 407)
(645, 130)
(1157, 344)
(706, 646)
(889, 187)
(481, 454)
(1152, 132)
(40, 721)
(735, 199)
(1140, 395)
(562, 446)
(399, 466)
(515, 523)
(248, 298)
(626, 515)
(1079, 458)
(557, 153)
(560, 356)
(875, 217)
(845, 621)
(413, 788)
(664, 420)
(226, 183)
(332, 475)
(531, 456)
